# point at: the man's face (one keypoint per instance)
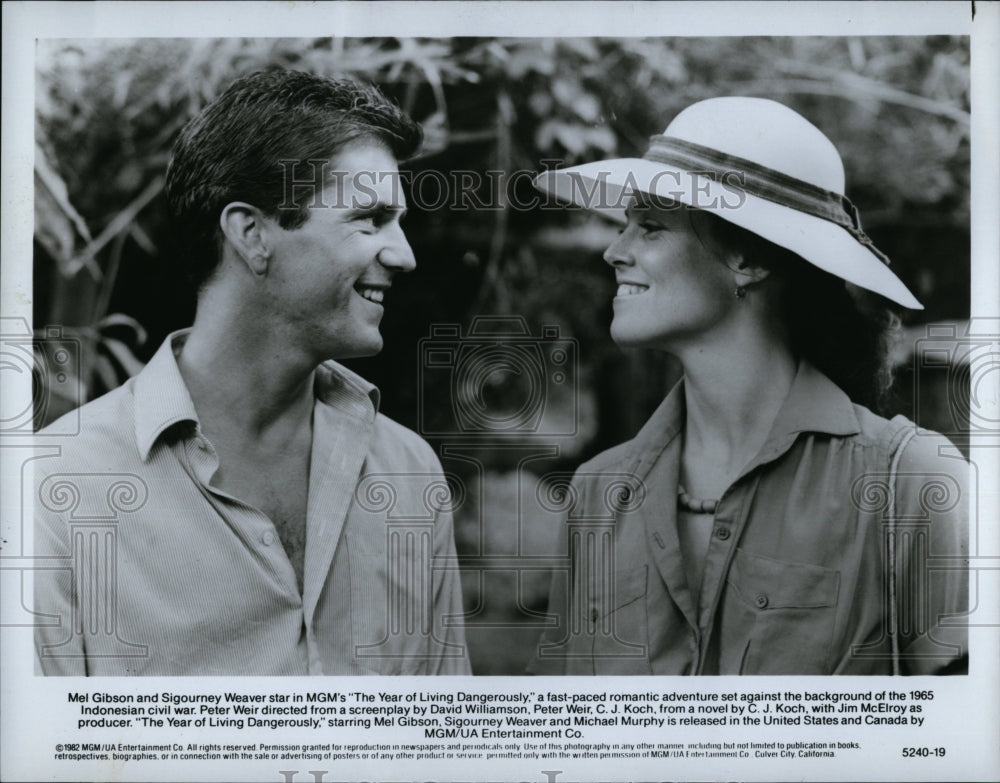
(327, 278)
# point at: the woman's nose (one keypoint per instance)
(619, 252)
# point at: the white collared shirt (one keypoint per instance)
(152, 571)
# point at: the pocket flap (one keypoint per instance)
(765, 583)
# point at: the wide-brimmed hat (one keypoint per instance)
(755, 163)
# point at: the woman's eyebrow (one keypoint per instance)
(643, 213)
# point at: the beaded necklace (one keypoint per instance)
(695, 505)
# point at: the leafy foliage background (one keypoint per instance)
(108, 111)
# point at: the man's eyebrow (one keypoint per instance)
(378, 210)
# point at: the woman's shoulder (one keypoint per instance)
(931, 475)
(933, 469)
(912, 446)
(614, 457)
(659, 430)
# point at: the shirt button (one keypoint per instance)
(761, 601)
(722, 533)
(267, 538)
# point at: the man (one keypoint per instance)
(255, 513)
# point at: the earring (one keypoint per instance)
(740, 292)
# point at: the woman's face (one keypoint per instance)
(672, 289)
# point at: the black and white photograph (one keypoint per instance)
(632, 373)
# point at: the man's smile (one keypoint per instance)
(372, 293)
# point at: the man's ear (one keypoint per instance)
(242, 226)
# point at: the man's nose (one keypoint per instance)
(397, 253)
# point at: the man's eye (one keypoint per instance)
(375, 221)
(649, 227)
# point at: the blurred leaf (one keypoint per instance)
(121, 221)
(120, 320)
(587, 107)
(602, 138)
(57, 223)
(540, 102)
(125, 358)
(525, 60)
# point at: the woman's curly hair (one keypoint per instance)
(844, 331)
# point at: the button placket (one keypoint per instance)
(725, 535)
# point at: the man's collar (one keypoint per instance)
(338, 386)
(162, 398)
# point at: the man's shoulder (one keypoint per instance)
(103, 429)
(398, 443)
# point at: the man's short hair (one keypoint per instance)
(241, 147)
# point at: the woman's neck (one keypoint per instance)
(733, 393)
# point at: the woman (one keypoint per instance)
(775, 524)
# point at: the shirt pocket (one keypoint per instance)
(778, 617)
(390, 608)
(620, 632)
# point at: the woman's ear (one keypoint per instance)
(242, 227)
(746, 274)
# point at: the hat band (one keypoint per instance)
(763, 182)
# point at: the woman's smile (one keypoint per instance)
(626, 290)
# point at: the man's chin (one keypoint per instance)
(358, 350)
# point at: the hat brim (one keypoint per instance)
(606, 187)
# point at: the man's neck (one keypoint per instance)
(254, 399)
(242, 376)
